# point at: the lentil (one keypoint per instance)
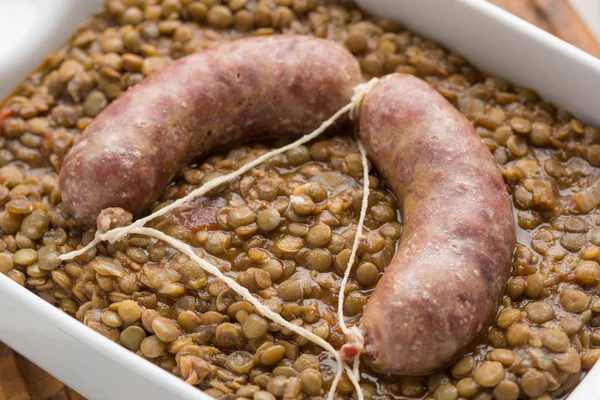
(254, 326)
(220, 17)
(489, 374)
(555, 340)
(6, 263)
(463, 367)
(574, 301)
(367, 274)
(164, 329)
(132, 337)
(506, 390)
(152, 347)
(241, 362)
(534, 383)
(129, 311)
(319, 235)
(268, 219)
(539, 312)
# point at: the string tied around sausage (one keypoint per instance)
(360, 92)
(355, 341)
(354, 347)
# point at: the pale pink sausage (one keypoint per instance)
(249, 89)
(443, 287)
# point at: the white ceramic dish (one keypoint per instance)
(98, 368)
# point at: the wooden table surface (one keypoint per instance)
(22, 380)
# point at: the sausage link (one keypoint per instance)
(248, 89)
(443, 287)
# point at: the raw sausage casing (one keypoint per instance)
(249, 89)
(443, 287)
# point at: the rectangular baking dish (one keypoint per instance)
(491, 38)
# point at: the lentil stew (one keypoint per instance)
(157, 303)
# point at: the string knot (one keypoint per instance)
(355, 344)
(360, 92)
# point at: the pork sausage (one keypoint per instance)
(443, 287)
(248, 89)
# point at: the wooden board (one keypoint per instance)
(22, 380)
(557, 17)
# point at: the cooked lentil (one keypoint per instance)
(288, 250)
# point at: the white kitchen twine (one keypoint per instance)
(354, 334)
